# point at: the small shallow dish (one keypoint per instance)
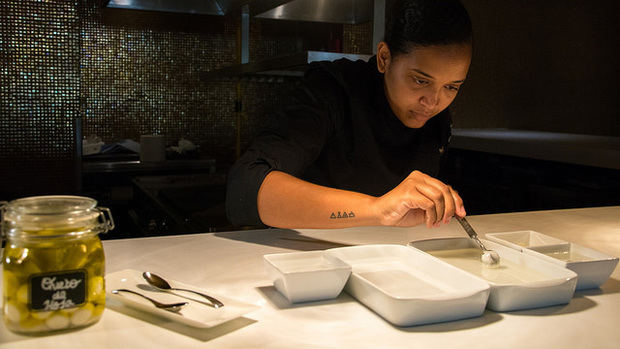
(195, 314)
(520, 282)
(592, 267)
(307, 276)
(523, 239)
(408, 287)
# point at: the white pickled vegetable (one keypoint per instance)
(15, 312)
(22, 294)
(57, 321)
(82, 315)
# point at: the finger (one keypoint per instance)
(449, 203)
(458, 201)
(431, 201)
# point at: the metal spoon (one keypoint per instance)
(490, 258)
(161, 284)
(172, 307)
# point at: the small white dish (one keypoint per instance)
(408, 287)
(522, 239)
(307, 276)
(195, 314)
(593, 267)
(520, 282)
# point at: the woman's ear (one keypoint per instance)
(384, 57)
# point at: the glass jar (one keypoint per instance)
(53, 263)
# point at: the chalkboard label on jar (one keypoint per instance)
(61, 290)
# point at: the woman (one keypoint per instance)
(360, 143)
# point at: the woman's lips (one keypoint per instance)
(420, 115)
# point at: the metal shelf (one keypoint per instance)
(293, 64)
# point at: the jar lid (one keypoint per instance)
(55, 215)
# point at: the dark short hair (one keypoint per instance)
(421, 23)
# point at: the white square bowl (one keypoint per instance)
(307, 276)
(521, 239)
(521, 281)
(408, 287)
(592, 267)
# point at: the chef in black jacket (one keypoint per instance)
(360, 143)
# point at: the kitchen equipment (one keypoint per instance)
(53, 263)
(152, 148)
(161, 284)
(489, 258)
(168, 306)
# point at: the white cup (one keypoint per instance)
(152, 148)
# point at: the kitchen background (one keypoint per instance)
(75, 69)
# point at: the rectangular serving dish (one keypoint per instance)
(408, 287)
(592, 267)
(520, 282)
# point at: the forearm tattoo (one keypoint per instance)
(336, 215)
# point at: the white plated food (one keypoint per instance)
(408, 287)
(307, 276)
(520, 282)
(196, 313)
(592, 267)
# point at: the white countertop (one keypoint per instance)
(231, 263)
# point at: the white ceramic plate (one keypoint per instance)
(307, 276)
(195, 314)
(593, 267)
(520, 282)
(408, 287)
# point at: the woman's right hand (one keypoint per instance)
(419, 199)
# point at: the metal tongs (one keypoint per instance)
(489, 257)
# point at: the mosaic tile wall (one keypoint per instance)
(127, 73)
(140, 76)
(357, 38)
(40, 72)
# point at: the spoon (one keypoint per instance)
(172, 307)
(489, 258)
(161, 284)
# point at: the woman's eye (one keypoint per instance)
(420, 81)
(452, 88)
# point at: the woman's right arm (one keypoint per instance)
(285, 201)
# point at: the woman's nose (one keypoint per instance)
(430, 100)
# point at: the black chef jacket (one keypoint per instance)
(337, 131)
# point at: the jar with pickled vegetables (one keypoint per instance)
(53, 263)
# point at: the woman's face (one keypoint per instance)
(423, 82)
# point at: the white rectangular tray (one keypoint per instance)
(408, 287)
(593, 267)
(520, 282)
(195, 314)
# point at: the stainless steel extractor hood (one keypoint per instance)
(330, 11)
(295, 64)
(204, 7)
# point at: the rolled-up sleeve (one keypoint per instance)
(291, 144)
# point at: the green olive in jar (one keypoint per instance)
(53, 265)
